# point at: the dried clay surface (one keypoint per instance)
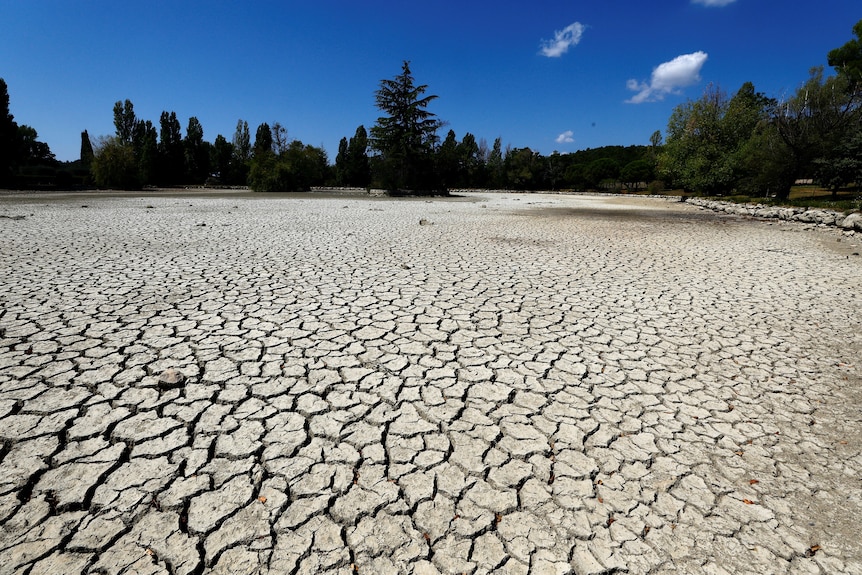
(493, 384)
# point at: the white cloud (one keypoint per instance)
(563, 39)
(566, 137)
(716, 3)
(668, 78)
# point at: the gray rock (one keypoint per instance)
(171, 378)
(852, 222)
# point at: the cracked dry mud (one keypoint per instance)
(525, 384)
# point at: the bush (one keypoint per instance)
(655, 187)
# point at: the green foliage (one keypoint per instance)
(86, 150)
(406, 135)
(621, 154)
(20, 149)
(266, 174)
(197, 153)
(340, 163)
(280, 141)
(655, 187)
(843, 166)
(823, 113)
(115, 166)
(124, 121)
(576, 176)
(847, 59)
(352, 167)
(496, 175)
(706, 149)
(471, 162)
(767, 164)
(523, 168)
(221, 154)
(747, 144)
(30, 150)
(172, 157)
(8, 134)
(636, 173)
(602, 172)
(146, 151)
(357, 171)
(295, 169)
(262, 141)
(447, 161)
(241, 153)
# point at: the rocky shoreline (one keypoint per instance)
(848, 222)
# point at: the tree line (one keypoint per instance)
(22, 156)
(401, 152)
(746, 143)
(756, 145)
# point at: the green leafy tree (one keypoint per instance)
(295, 169)
(843, 166)
(115, 165)
(767, 162)
(496, 174)
(693, 155)
(636, 173)
(8, 135)
(241, 153)
(280, 141)
(406, 135)
(822, 114)
(221, 155)
(171, 152)
(746, 117)
(267, 174)
(554, 170)
(470, 162)
(30, 150)
(448, 165)
(341, 163)
(576, 176)
(265, 170)
(707, 147)
(522, 168)
(262, 141)
(124, 121)
(655, 141)
(847, 59)
(197, 153)
(145, 145)
(357, 169)
(602, 172)
(479, 179)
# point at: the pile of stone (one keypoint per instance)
(851, 222)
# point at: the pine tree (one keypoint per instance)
(407, 135)
(358, 173)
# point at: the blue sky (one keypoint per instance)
(551, 75)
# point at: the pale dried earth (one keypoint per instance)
(523, 384)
